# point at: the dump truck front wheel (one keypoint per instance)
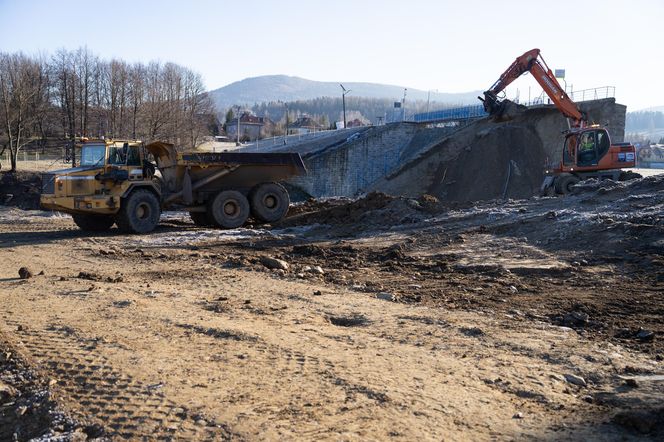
(229, 209)
(139, 212)
(93, 223)
(269, 202)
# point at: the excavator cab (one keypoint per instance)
(585, 148)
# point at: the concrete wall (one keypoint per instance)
(351, 168)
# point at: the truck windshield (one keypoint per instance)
(93, 155)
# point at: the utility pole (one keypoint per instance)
(237, 143)
(428, 100)
(286, 133)
(343, 100)
(403, 105)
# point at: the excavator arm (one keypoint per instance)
(533, 62)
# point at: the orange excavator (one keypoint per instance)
(587, 152)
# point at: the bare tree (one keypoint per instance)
(22, 88)
(78, 95)
(196, 106)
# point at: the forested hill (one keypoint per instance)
(275, 88)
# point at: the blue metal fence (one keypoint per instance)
(457, 113)
(477, 111)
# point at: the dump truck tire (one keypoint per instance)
(93, 223)
(139, 212)
(269, 202)
(229, 209)
(200, 219)
(564, 184)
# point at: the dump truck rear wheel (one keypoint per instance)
(200, 219)
(93, 223)
(229, 209)
(564, 184)
(139, 213)
(269, 202)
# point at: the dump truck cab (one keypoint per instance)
(109, 171)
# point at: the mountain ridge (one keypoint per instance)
(287, 88)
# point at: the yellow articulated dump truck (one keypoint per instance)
(116, 183)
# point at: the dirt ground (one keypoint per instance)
(381, 318)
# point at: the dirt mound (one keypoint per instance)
(20, 189)
(373, 210)
(483, 161)
(505, 161)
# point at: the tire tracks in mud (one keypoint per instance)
(125, 407)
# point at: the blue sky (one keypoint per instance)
(431, 45)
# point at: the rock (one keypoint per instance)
(518, 415)
(385, 296)
(645, 335)
(78, 435)
(576, 380)
(631, 382)
(471, 331)
(89, 276)
(274, 263)
(7, 392)
(25, 273)
(414, 286)
(318, 270)
(122, 304)
(514, 290)
(575, 319)
(300, 275)
(318, 293)
(557, 377)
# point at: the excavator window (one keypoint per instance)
(569, 152)
(587, 152)
(603, 143)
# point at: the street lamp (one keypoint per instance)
(237, 143)
(343, 100)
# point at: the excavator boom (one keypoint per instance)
(532, 62)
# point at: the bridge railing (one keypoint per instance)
(597, 93)
(476, 111)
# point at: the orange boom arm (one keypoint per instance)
(533, 62)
